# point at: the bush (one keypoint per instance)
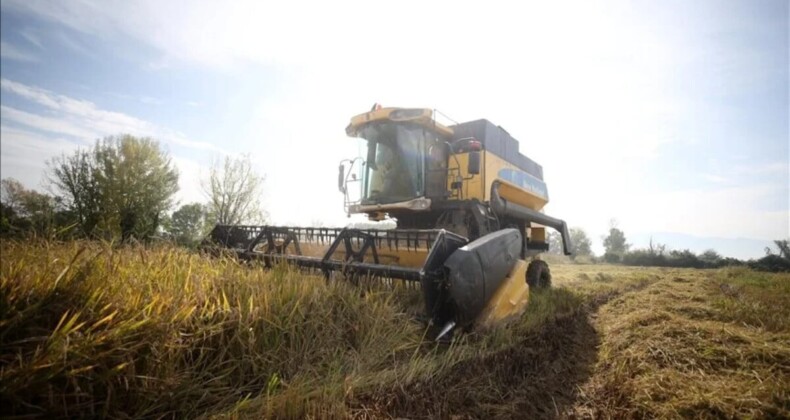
(772, 263)
(678, 259)
(644, 258)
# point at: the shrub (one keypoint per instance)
(772, 263)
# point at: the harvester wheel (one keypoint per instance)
(538, 275)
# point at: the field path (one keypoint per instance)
(540, 376)
(623, 342)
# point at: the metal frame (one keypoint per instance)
(357, 244)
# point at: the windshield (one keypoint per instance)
(394, 167)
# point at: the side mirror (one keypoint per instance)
(474, 163)
(341, 178)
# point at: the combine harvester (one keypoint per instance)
(468, 210)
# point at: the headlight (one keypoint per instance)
(420, 204)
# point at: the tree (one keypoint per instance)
(233, 190)
(774, 262)
(710, 258)
(615, 243)
(684, 258)
(555, 242)
(783, 245)
(582, 244)
(73, 176)
(138, 180)
(24, 209)
(187, 224)
(656, 249)
(121, 187)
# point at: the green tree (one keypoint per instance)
(774, 262)
(615, 242)
(233, 190)
(25, 210)
(783, 245)
(711, 258)
(73, 176)
(582, 245)
(555, 242)
(122, 186)
(188, 224)
(656, 249)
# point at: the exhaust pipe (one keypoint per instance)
(502, 207)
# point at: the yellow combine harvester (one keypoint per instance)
(467, 206)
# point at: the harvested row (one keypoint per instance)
(696, 343)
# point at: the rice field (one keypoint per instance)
(89, 329)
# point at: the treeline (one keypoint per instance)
(123, 189)
(618, 251)
(775, 262)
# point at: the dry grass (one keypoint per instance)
(91, 330)
(706, 344)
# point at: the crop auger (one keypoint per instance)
(467, 207)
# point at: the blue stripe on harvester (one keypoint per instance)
(525, 181)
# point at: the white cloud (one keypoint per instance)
(37, 95)
(32, 37)
(711, 212)
(284, 32)
(715, 178)
(11, 52)
(772, 168)
(724, 212)
(44, 123)
(150, 100)
(24, 154)
(30, 139)
(190, 173)
(76, 46)
(84, 120)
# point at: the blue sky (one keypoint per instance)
(671, 117)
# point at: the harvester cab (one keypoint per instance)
(467, 207)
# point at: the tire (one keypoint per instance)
(538, 275)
